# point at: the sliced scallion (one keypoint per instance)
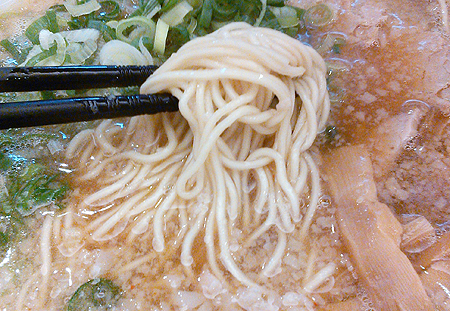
(261, 14)
(135, 27)
(108, 33)
(62, 16)
(270, 21)
(192, 25)
(332, 41)
(116, 52)
(318, 15)
(81, 35)
(80, 22)
(58, 8)
(176, 37)
(12, 49)
(195, 3)
(223, 10)
(176, 15)
(109, 10)
(151, 7)
(145, 8)
(286, 16)
(143, 48)
(52, 21)
(338, 44)
(46, 39)
(278, 3)
(80, 52)
(112, 24)
(249, 11)
(205, 17)
(162, 29)
(153, 11)
(169, 4)
(82, 9)
(48, 21)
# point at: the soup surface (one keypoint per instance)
(388, 74)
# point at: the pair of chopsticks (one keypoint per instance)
(66, 110)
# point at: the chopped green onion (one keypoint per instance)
(81, 35)
(300, 12)
(249, 11)
(143, 43)
(176, 15)
(147, 8)
(11, 49)
(195, 3)
(58, 8)
(46, 39)
(116, 52)
(151, 8)
(80, 22)
(338, 43)
(44, 54)
(205, 17)
(52, 21)
(108, 32)
(318, 15)
(286, 16)
(62, 16)
(216, 24)
(48, 21)
(154, 11)
(109, 10)
(48, 95)
(139, 26)
(270, 21)
(261, 14)
(162, 29)
(112, 24)
(80, 52)
(336, 67)
(223, 10)
(332, 41)
(278, 3)
(169, 4)
(291, 31)
(192, 25)
(176, 37)
(82, 9)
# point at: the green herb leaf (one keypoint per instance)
(34, 187)
(94, 294)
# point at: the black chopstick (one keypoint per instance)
(57, 111)
(27, 79)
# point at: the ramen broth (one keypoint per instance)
(394, 59)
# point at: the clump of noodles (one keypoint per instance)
(251, 102)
